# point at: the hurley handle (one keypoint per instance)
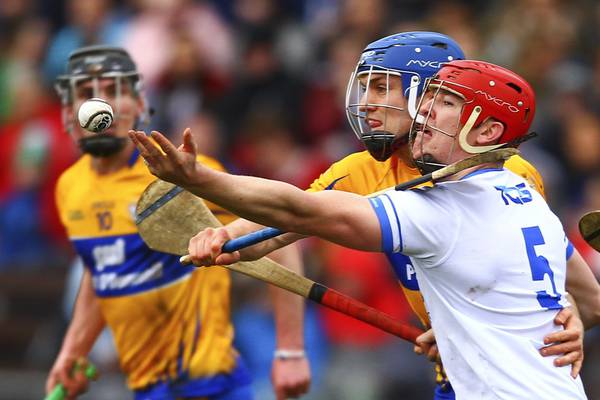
(60, 393)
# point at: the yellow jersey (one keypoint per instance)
(170, 323)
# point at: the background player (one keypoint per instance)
(506, 311)
(170, 324)
(381, 97)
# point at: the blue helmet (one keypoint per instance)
(411, 56)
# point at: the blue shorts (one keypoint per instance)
(444, 392)
(236, 385)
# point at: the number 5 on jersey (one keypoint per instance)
(540, 267)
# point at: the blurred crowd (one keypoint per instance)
(262, 85)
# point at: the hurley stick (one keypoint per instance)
(589, 226)
(169, 216)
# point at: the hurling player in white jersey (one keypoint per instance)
(489, 253)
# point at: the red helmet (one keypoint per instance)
(489, 91)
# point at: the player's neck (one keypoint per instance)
(403, 154)
(468, 171)
(111, 164)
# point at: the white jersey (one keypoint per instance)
(490, 257)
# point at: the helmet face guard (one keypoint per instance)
(376, 89)
(87, 68)
(487, 92)
(408, 58)
(423, 125)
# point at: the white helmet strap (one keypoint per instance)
(412, 95)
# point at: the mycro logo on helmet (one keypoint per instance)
(498, 101)
(425, 64)
(365, 55)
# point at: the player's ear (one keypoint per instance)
(489, 132)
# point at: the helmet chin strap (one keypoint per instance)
(380, 144)
(462, 136)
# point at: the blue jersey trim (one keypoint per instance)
(444, 392)
(401, 245)
(136, 269)
(400, 263)
(164, 199)
(570, 250)
(481, 171)
(332, 184)
(185, 387)
(387, 244)
(134, 157)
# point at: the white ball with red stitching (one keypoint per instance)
(95, 115)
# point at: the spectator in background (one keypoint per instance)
(260, 83)
(23, 242)
(89, 22)
(207, 131)
(188, 85)
(324, 123)
(22, 46)
(157, 24)
(291, 40)
(268, 148)
(34, 150)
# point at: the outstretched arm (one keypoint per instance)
(340, 217)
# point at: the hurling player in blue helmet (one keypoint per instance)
(405, 59)
(381, 102)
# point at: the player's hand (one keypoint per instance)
(567, 343)
(290, 378)
(426, 345)
(62, 372)
(205, 248)
(175, 165)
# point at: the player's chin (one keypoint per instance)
(417, 148)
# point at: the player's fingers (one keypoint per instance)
(279, 394)
(417, 349)
(216, 244)
(81, 382)
(432, 353)
(196, 243)
(560, 348)
(64, 376)
(207, 256)
(151, 155)
(569, 358)
(562, 316)
(227, 258)
(138, 143)
(291, 390)
(563, 336)
(146, 147)
(427, 338)
(164, 143)
(576, 368)
(197, 247)
(189, 144)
